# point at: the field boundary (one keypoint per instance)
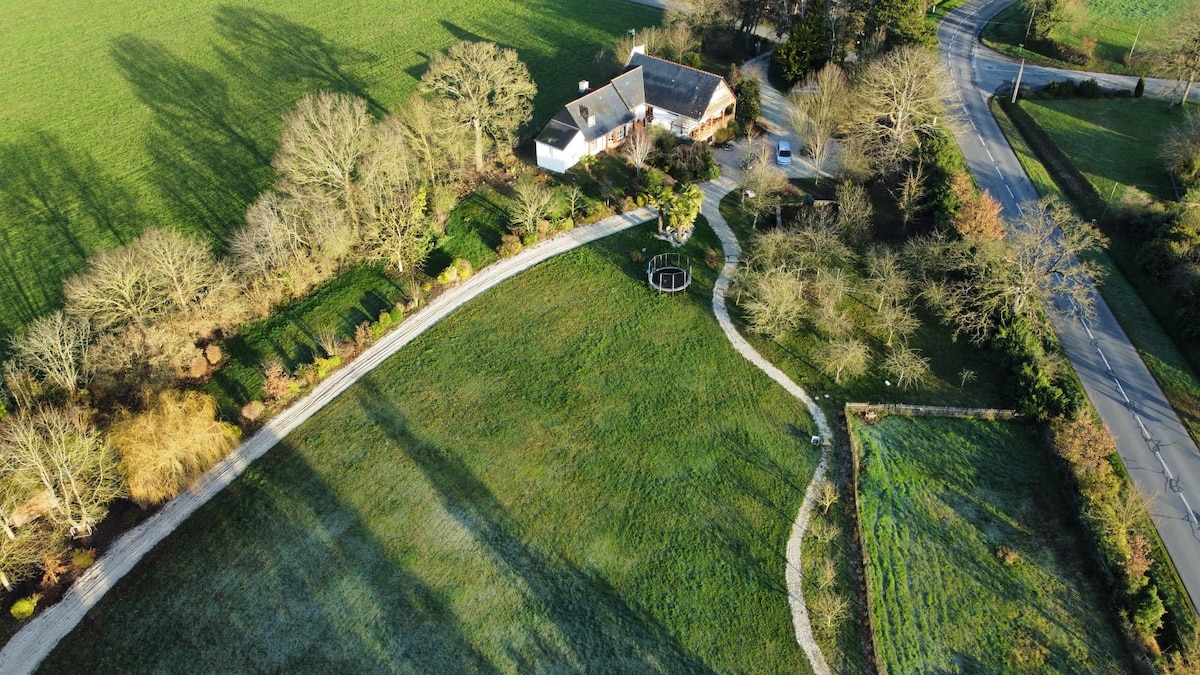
(932, 411)
(872, 646)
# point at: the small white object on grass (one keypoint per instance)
(888, 382)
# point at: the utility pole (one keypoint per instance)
(1017, 87)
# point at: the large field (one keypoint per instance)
(1114, 24)
(118, 115)
(571, 473)
(938, 500)
(1114, 142)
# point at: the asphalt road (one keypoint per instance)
(1160, 456)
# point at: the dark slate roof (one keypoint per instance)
(631, 87)
(604, 104)
(676, 87)
(557, 134)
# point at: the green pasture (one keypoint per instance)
(120, 115)
(571, 473)
(1115, 24)
(939, 498)
(1114, 142)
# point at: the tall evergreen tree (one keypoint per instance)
(808, 47)
(902, 22)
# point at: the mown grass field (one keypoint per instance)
(119, 115)
(1114, 24)
(1114, 142)
(570, 473)
(938, 498)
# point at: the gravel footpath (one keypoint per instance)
(32, 643)
(793, 574)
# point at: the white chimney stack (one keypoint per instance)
(583, 86)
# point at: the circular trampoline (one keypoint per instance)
(669, 273)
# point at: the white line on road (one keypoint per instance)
(1122, 390)
(1145, 434)
(1188, 507)
(1101, 352)
(1010, 192)
(1170, 476)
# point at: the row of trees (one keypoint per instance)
(140, 320)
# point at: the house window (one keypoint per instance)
(620, 133)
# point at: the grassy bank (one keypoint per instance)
(975, 562)
(571, 473)
(116, 116)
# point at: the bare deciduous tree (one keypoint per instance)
(818, 107)
(322, 147)
(897, 97)
(117, 288)
(483, 87)
(763, 185)
(910, 193)
(1180, 148)
(1181, 55)
(854, 213)
(907, 366)
(531, 202)
(772, 300)
(896, 320)
(54, 450)
(55, 348)
(845, 357)
(638, 149)
(1019, 274)
(164, 449)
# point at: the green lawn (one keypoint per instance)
(938, 498)
(119, 115)
(1113, 23)
(1114, 142)
(570, 473)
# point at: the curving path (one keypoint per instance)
(713, 192)
(32, 643)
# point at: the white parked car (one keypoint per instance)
(784, 156)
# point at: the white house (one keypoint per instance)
(685, 101)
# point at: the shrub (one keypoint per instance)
(691, 59)
(212, 353)
(23, 609)
(83, 559)
(278, 384)
(1061, 89)
(510, 245)
(465, 270)
(448, 275)
(253, 410)
(326, 366)
(1139, 88)
(1148, 614)
(1007, 555)
(1089, 88)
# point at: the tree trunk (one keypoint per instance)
(478, 145)
(1188, 89)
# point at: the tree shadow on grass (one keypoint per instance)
(58, 206)
(279, 59)
(598, 627)
(277, 574)
(209, 161)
